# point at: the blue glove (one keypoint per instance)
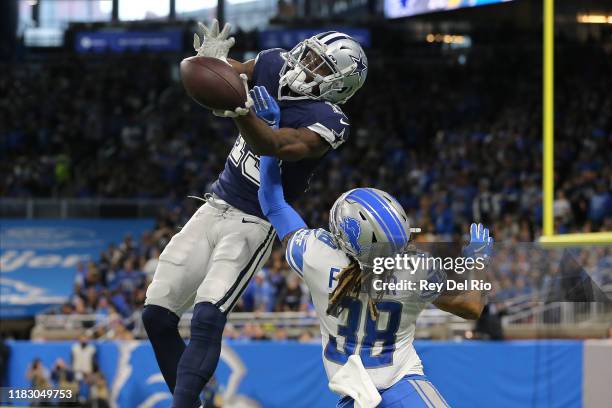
(265, 106)
(481, 244)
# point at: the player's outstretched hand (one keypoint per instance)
(266, 107)
(241, 110)
(214, 44)
(481, 244)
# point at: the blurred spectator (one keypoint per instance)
(292, 296)
(258, 296)
(489, 325)
(83, 358)
(99, 392)
(127, 279)
(306, 337)
(38, 376)
(151, 264)
(562, 209)
(64, 378)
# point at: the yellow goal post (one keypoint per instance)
(549, 237)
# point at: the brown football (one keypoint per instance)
(212, 83)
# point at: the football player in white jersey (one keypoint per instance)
(367, 338)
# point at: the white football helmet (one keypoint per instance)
(331, 66)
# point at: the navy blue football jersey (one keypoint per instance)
(239, 181)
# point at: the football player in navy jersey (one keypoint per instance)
(211, 260)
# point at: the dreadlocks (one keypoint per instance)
(350, 281)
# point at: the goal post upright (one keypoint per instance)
(548, 227)
(549, 237)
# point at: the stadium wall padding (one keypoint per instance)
(545, 373)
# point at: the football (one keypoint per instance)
(212, 83)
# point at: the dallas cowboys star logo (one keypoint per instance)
(360, 65)
(338, 137)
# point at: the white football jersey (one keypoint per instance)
(384, 345)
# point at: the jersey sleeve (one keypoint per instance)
(268, 65)
(313, 250)
(296, 248)
(330, 123)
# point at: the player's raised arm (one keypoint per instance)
(469, 303)
(285, 143)
(281, 215)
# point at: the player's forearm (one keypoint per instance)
(281, 215)
(468, 304)
(283, 143)
(259, 136)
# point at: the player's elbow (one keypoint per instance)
(471, 310)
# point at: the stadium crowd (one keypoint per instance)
(454, 142)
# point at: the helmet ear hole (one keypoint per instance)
(374, 240)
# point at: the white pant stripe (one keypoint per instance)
(421, 394)
(432, 393)
(232, 296)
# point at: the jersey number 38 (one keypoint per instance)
(372, 334)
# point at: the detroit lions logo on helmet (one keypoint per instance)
(352, 229)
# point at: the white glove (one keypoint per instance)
(239, 111)
(215, 44)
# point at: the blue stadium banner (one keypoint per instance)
(281, 374)
(405, 8)
(282, 38)
(38, 258)
(120, 41)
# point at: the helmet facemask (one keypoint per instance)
(310, 72)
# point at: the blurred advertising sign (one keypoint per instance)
(287, 39)
(39, 258)
(120, 41)
(405, 8)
